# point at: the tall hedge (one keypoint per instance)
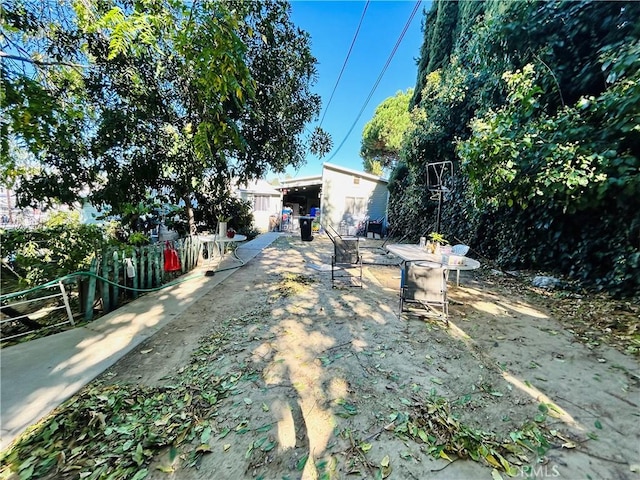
(537, 108)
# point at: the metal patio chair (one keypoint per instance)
(346, 261)
(424, 284)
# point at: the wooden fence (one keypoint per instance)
(147, 264)
(116, 276)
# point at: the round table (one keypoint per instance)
(221, 244)
(232, 242)
(409, 252)
(453, 262)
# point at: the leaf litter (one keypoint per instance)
(118, 430)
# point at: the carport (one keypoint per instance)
(302, 194)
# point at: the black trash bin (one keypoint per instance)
(305, 228)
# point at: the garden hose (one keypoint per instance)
(110, 282)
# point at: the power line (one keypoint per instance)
(384, 69)
(345, 62)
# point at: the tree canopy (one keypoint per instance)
(536, 104)
(382, 135)
(156, 97)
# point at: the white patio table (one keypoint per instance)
(220, 244)
(409, 252)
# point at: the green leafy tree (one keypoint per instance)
(564, 170)
(41, 95)
(180, 79)
(176, 95)
(563, 40)
(273, 125)
(535, 106)
(446, 27)
(382, 136)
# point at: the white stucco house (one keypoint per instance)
(265, 199)
(341, 197)
(344, 196)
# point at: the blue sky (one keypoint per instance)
(332, 26)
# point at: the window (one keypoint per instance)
(356, 207)
(261, 203)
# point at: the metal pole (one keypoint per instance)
(439, 209)
(66, 303)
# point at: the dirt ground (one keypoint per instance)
(332, 382)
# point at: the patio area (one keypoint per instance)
(338, 375)
(318, 382)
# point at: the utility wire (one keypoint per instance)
(384, 69)
(345, 62)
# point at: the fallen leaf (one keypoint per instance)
(444, 455)
(269, 446)
(385, 461)
(302, 462)
(226, 447)
(146, 351)
(495, 474)
(386, 471)
(265, 428)
(206, 435)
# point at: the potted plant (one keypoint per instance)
(222, 225)
(436, 240)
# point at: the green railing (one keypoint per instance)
(116, 276)
(112, 283)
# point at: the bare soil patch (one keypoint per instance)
(328, 378)
(279, 375)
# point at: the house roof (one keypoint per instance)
(259, 187)
(359, 173)
(301, 182)
(317, 179)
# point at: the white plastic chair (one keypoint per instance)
(460, 249)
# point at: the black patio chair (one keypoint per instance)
(424, 284)
(346, 261)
